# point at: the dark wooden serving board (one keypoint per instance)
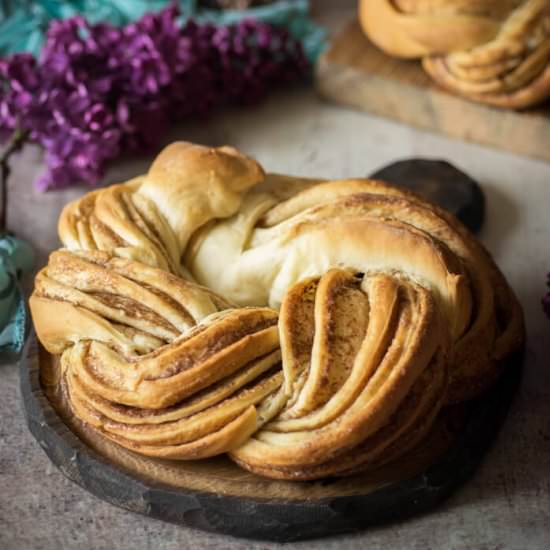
(216, 495)
(355, 73)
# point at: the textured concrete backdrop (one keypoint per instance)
(506, 504)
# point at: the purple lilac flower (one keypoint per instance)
(97, 90)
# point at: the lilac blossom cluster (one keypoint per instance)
(99, 90)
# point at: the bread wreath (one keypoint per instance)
(306, 327)
(491, 51)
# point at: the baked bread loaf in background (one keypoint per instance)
(491, 51)
(307, 327)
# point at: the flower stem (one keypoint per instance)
(16, 141)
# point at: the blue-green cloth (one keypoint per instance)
(16, 258)
(292, 14)
(23, 23)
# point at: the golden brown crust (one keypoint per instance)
(388, 310)
(491, 52)
(151, 218)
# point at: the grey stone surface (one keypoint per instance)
(505, 506)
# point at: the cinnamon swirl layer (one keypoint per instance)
(368, 366)
(149, 359)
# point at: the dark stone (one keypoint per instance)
(271, 519)
(441, 183)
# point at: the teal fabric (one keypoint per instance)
(16, 259)
(293, 14)
(23, 23)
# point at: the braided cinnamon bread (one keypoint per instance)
(492, 51)
(307, 327)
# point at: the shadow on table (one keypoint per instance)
(501, 218)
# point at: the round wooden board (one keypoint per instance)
(216, 495)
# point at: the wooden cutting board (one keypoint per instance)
(216, 495)
(354, 72)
